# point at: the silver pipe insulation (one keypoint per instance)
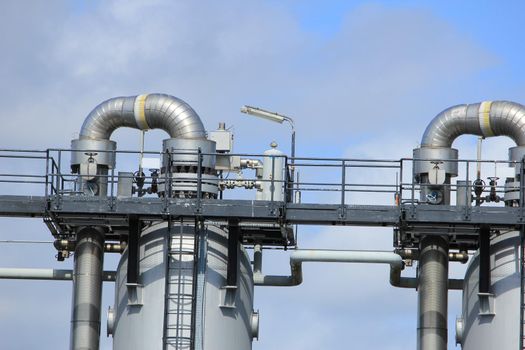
(87, 289)
(47, 274)
(299, 256)
(486, 119)
(149, 111)
(433, 294)
(144, 112)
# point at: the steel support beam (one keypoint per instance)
(133, 250)
(233, 252)
(484, 259)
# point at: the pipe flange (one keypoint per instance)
(254, 324)
(111, 321)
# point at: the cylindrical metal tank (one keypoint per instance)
(157, 313)
(493, 321)
(180, 162)
(273, 183)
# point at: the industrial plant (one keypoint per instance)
(191, 221)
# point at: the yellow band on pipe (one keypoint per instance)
(140, 112)
(484, 118)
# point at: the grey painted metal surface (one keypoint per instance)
(151, 111)
(499, 329)
(227, 317)
(114, 211)
(433, 294)
(87, 290)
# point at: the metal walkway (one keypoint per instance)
(345, 192)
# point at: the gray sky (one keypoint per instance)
(360, 79)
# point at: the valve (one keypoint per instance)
(493, 183)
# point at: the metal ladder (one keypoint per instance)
(181, 257)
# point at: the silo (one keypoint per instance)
(492, 320)
(178, 301)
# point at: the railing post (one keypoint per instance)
(47, 174)
(400, 181)
(58, 174)
(343, 189)
(167, 181)
(467, 190)
(199, 179)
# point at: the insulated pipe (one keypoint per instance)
(433, 294)
(149, 111)
(299, 256)
(413, 282)
(87, 290)
(486, 119)
(47, 274)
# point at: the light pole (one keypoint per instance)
(278, 118)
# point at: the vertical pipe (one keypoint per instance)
(257, 258)
(87, 290)
(432, 294)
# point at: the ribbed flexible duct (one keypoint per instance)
(497, 118)
(151, 111)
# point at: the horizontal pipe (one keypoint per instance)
(413, 282)
(413, 254)
(46, 274)
(64, 244)
(299, 256)
(342, 256)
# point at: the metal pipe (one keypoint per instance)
(433, 294)
(413, 282)
(69, 245)
(299, 256)
(486, 119)
(149, 111)
(87, 289)
(47, 274)
(413, 254)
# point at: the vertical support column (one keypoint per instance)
(484, 259)
(87, 289)
(433, 294)
(233, 252)
(133, 250)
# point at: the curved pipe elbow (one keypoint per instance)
(299, 256)
(412, 282)
(144, 112)
(486, 119)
